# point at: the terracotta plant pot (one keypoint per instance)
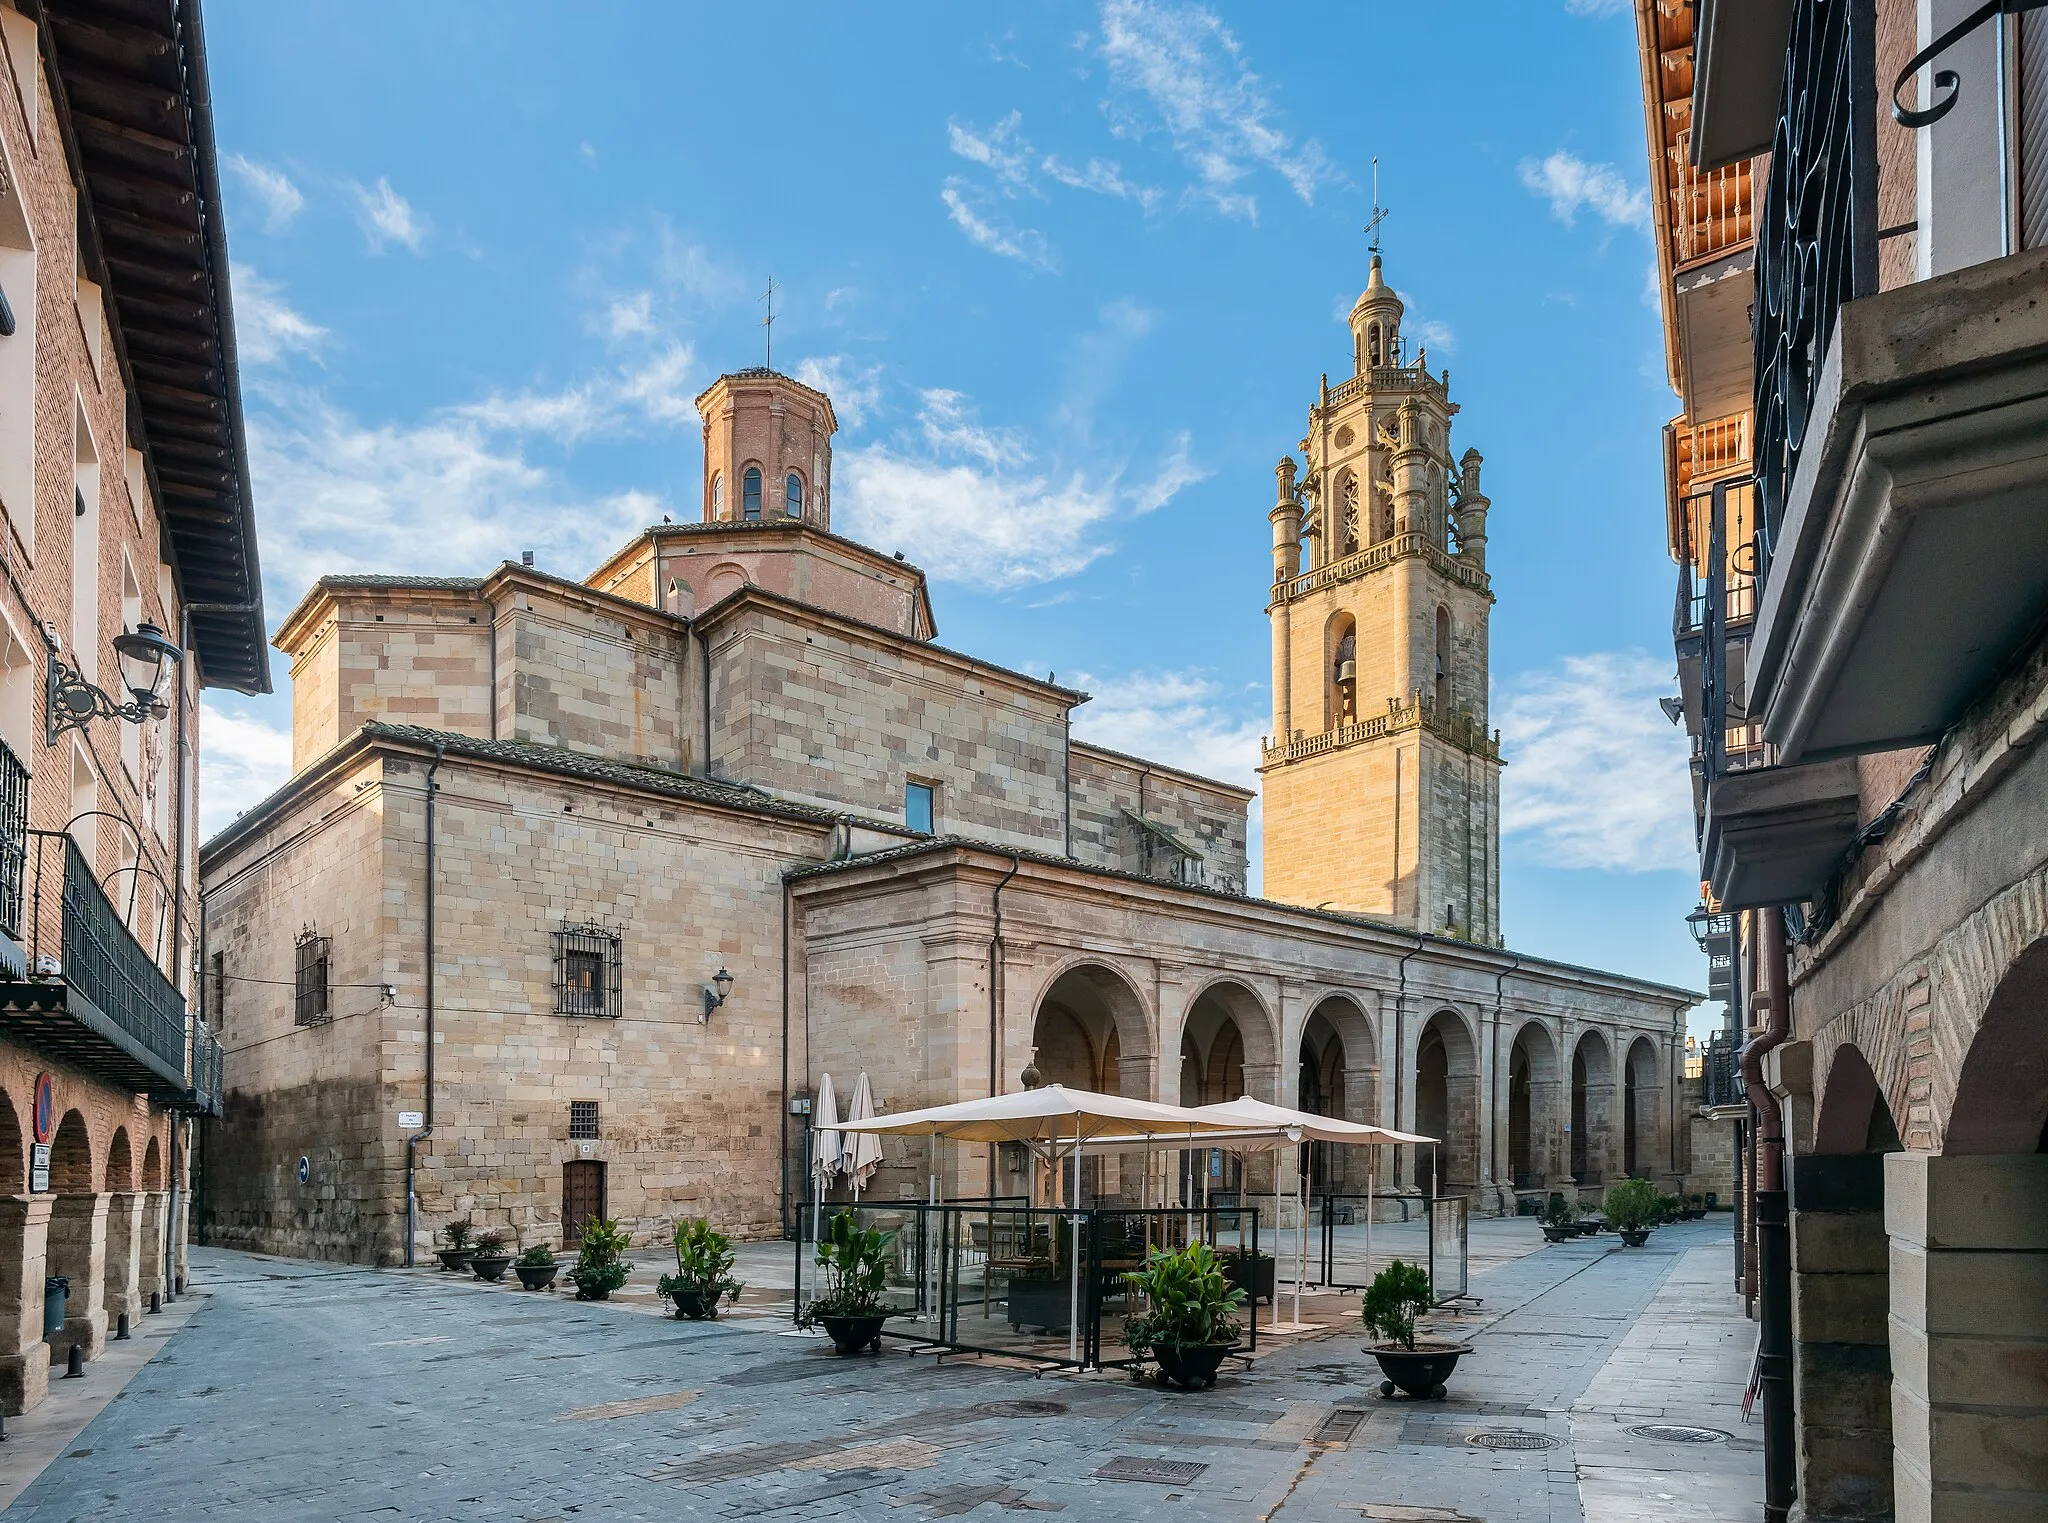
(490, 1266)
(536, 1276)
(1420, 1371)
(456, 1259)
(1191, 1366)
(852, 1334)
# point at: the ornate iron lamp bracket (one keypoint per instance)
(72, 702)
(1947, 79)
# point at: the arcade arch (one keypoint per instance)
(1592, 1108)
(1532, 1119)
(1447, 1105)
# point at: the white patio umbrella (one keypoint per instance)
(1053, 1121)
(862, 1153)
(1305, 1126)
(825, 1145)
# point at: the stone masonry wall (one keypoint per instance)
(588, 678)
(1106, 788)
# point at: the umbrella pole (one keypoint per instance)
(1074, 1269)
(1372, 1164)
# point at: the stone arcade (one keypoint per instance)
(736, 746)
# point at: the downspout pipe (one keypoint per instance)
(1400, 1035)
(995, 1006)
(782, 1183)
(413, 1140)
(1500, 981)
(1773, 1233)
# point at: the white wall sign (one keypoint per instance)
(585, 1148)
(411, 1121)
(39, 1168)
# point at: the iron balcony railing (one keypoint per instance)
(13, 839)
(205, 1091)
(98, 956)
(1721, 1072)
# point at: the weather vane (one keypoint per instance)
(768, 322)
(1379, 212)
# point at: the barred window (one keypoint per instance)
(582, 1118)
(587, 970)
(309, 1007)
(217, 989)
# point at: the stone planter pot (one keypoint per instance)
(490, 1266)
(1191, 1366)
(456, 1259)
(1420, 1371)
(1635, 1237)
(1043, 1304)
(1255, 1277)
(1559, 1234)
(537, 1276)
(852, 1334)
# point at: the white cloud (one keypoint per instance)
(387, 217)
(377, 497)
(1598, 7)
(266, 325)
(243, 759)
(1181, 718)
(281, 200)
(654, 390)
(1596, 774)
(629, 316)
(1176, 473)
(1187, 67)
(1000, 149)
(971, 504)
(855, 390)
(1570, 185)
(1024, 245)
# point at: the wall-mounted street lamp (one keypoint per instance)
(146, 658)
(715, 992)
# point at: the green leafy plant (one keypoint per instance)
(1667, 1209)
(1630, 1205)
(855, 1264)
(600, 1267)
(1397, 1296)
(539, 1256)
(703, 1276)
(1558, 1212)
(459, 1233)
(1189, 1301)
(492, 1243)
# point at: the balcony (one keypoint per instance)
(1775, 834)
(93, 996)
(1909, 560)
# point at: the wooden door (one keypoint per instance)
(582, 1197)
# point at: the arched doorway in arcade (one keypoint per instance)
(1447, 1106)
(1227, 1050)
(1641, 1111)
(1592, 1096)
(1090, 1033)
(1532, 1107)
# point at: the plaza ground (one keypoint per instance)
(305, 1391)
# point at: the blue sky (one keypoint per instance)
(1070, 273)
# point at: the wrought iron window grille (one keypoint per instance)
(588, 970)
(1948, 85)
(13, 839)
(582, 1120)
(310, 1002)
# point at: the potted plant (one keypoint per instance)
(536, 1267)
(1630, 1207)
(1589, 1223)
(1397, 1296)
(1669, 1208)
(1695, 1207)
(1251, 1272)
(1188, 1323)
(600, 1265)
(703, 1276)
(855, 1261)
(488, 1257)
(1558, 1220)
(456, 1255)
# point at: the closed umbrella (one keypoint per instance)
(863, 1150)
(826, 1147)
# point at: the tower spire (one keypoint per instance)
(768, 322)
(1379, 214)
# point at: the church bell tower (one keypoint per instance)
(1382, 780)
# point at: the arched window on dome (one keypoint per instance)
(793, 495)
(750, 495)
(718, 496)
(1372, 345)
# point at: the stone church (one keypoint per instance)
(578, 887)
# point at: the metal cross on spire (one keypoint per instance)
(768, 322)
(1379, 212)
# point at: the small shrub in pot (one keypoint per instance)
(600, 1265)
(1630, 1207)
(458, 1235)
(855, 1262)
(1397, 1296)
(703, 1276)
(1189, 1323)
(488, 1258)
(537, 1267)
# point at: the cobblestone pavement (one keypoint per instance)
(302, 1391)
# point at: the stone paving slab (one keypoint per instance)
(310, 1392)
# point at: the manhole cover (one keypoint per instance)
(1675, 1434)
(1513, 1438)
(1338, 1427)
(1128, 1467)
(1021, 1409)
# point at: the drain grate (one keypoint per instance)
(1338, 1427)
(1020, 1409)
(1129, 1467)
(1513, 1438)
(1672, 1433)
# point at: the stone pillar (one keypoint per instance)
(78, 1251)
(150, 1270)
(24, 1246)
(1603, 1106)
(1841, 1354)
(124, 1256)
(1969, 1336)
(1546, 1133)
